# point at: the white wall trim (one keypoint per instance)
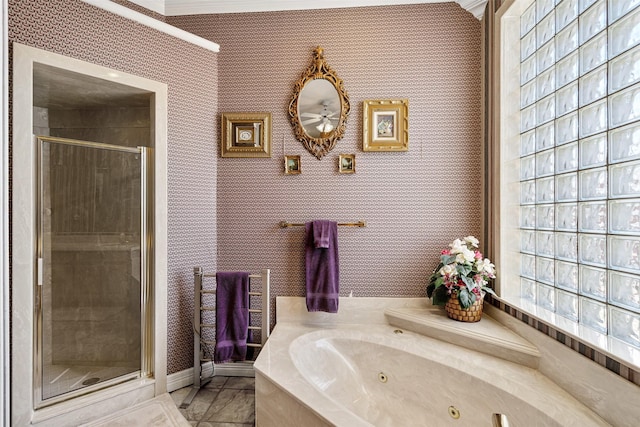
(153, 5)
(475, 7)
(184, 378)
(4, 224)
(190, 7)
(195, 7)
(154, 23)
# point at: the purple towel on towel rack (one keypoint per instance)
(322, 266)
(232, 316)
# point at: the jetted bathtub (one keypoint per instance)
(375, 374)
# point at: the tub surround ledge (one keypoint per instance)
(318, 369)
(486, 336)
(351, 310)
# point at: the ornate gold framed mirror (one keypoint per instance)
(319, 108)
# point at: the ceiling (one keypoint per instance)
(56, 88)
(195, 7)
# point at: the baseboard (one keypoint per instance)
(240, 369)
(184, 378)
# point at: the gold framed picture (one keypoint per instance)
(292, 165)
(245, 135)
(385, 125)
(347, 163)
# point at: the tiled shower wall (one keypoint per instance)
(100, 311)
(415, 203)
(79, 30)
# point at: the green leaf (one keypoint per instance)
(465, 298)
(440, 295)
(469, 282)
(430, 289)
(489, 291)
(463, 269)
(435, 270)
(447, 259)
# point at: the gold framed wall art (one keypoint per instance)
(385, 125)
(347, 163)
(292, 165)
(245, 135)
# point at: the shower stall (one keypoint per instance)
(89, 240)
(92, 257)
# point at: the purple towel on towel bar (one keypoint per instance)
(322, 266)
(232, 316)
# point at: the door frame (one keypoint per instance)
(24, 235)
(5, 415)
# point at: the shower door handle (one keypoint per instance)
(40, 271)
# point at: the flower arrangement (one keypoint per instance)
(462, 273)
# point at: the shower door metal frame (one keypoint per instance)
(146, 273)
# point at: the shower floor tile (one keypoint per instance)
(60, 379)
(223, 402)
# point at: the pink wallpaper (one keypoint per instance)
(79, 30)
(415, 203)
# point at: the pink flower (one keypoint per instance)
(478, 255)
(445, 252)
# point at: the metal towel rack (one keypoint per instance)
(285, 224)
(198, 326)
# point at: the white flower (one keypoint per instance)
(448, 270)
(472, 241)
(485, 266)
(465, 256)
(457, 246)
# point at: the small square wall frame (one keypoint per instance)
(245, 135)
(385, 125)
(347, 163)
(292, 165)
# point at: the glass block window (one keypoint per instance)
(580, 162)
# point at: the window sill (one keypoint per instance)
(610, 347)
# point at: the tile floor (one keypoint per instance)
(223, 402)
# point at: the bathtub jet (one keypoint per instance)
(365, 375)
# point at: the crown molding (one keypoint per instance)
(194, 7)
(475, 7)
(197, 7)
(153, 5)
(154, 23)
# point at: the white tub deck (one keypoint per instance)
(302, 374)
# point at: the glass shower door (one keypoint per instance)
(91, 290)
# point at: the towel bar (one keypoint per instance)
(285, 224)
(198, 340)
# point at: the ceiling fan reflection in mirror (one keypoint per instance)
(319, 107)
(324, 121)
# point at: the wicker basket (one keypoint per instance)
(455, 311)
